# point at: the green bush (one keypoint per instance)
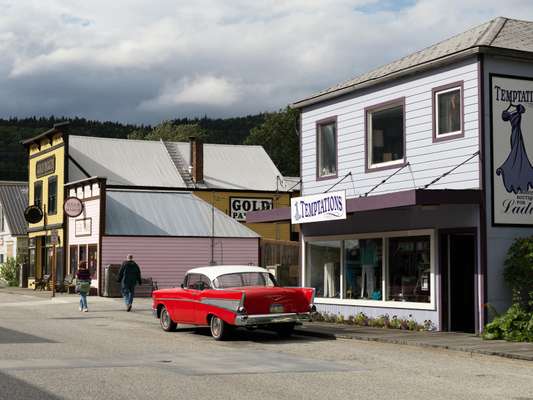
(9, 272)
(382, 321)
(516, 324)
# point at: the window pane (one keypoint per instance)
(409, 269)
(449, 107)
(323, 267)
(73, 259)
(52, 195)
(38, 194)
(387, 135)
(362, 260)
(244, 279)
(327, 158)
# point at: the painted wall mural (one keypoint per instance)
(512, 150)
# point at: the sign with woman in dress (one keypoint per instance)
(512, 150)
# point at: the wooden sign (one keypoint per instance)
(45, 166)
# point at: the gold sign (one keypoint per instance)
(46, 166)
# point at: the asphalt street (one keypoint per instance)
(49, 350)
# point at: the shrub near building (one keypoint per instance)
(9, 272)
(516, 324)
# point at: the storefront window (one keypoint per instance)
(92, 260)
(73, 259)
(363, 269)
(409, 269)
(323, 267)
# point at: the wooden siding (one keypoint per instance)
(92, 211)
(166, 259)
(427, 159)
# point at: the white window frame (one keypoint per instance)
(319, 125)
(369, 111)
(436, 113)
(431, 305)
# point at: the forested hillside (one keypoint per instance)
(13, 158)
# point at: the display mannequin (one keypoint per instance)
(329, 281)
(369, 259)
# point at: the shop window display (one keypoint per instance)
(323, 268)
(363, 269)
(409, 269)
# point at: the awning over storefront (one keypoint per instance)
(408, 198)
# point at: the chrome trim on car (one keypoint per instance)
(264, 319)
(228, 304)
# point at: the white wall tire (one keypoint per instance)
(166, 322)
(219, 329)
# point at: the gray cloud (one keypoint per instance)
(140, 61)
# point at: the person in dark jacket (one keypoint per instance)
(83, 284)
(129, 275)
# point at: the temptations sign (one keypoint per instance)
(318, 207)
(512, 150)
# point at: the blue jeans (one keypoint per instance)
(83, 300)
(127, 293)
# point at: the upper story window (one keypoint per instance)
(52, 195)
(38, 194)
(448, 111)
(327, 148)
(386, 135)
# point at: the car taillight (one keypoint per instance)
(241, 310)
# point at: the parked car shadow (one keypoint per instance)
(258, 336)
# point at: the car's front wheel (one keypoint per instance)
(166, 322)
(219, 328)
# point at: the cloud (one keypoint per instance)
(129, 60)
(206, 90)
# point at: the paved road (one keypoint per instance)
(49, 350)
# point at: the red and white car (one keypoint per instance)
(224, 297)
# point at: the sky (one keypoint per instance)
(144, 61)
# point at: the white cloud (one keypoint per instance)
(136, 60)
(206, 90)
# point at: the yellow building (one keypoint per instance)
(46, 177)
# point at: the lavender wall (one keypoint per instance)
(166, 259)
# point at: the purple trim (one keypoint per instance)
(318, 124)
(413, 197)
(375, 107)
(434, 92)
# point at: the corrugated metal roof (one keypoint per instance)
(123, 161)
(497, 33)
(14, 200)
(144, 213)
(234, 166)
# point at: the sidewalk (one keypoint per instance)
(444, 340)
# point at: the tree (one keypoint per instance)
(279, 137)
(168, 131)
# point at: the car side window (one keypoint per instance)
(206, 282)
(192, 281)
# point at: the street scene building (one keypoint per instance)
(173, 183)
(430, 153)
(13, 226)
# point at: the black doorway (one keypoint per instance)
(458, 278)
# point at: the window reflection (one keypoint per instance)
(323, 267)
(363, 266)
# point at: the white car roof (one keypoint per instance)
(215, 271)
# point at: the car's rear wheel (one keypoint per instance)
(166, 322)
(284, 330)
(219, 329)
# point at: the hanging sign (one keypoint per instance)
(73, 207)
(512, 150)
(33, 214)
(319, 207)
(239, 206)
(45, 166)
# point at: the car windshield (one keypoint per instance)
(243, 279)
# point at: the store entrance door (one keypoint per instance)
(458, 277)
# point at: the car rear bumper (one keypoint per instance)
(266, 319)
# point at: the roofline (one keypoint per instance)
(435, 63)
(55, 128)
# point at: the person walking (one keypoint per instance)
(129, 275)
(83, 284)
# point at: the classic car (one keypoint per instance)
(225, 297)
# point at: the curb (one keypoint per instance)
(353, 336)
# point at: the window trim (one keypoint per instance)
(434, 291)
(51, 179)
(369, 167)
(319, 123)
(434, 112)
